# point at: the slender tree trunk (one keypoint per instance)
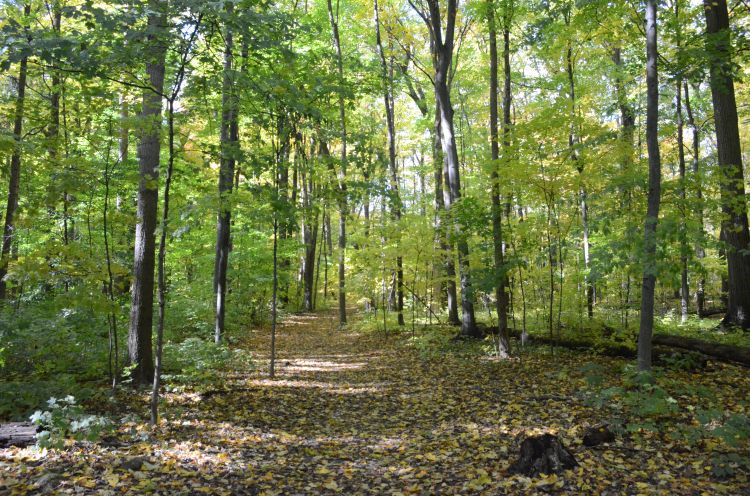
(343, 209)
(14, 180)
(684, 289)
(124, 128)
(309, 239)
(161, 278)
(395, 196)
(654, 192)
(582, 193)
(501, 298)
(142, 302)
(229, 143)
(700, 253)
(733, 202)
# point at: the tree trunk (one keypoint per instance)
(501, 296)
(582, 194)
(733, 202)
(395, 196)
(442, 47)
(441, 224)
(684, 289)
(14, 180)
(654, 192)
(229, 143)
(700, 253)
(343, 209)
(309, 239)
(142, 301)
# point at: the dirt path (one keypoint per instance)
(358, 414)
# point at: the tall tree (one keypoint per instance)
(654, 191)
(229, 143)
(733, 202)
(573, 144)
(14, 179)
(501, 296)
(140, 353)
(441, 45)
(395, 196)
(343, 208)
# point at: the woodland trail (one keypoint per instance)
(352, 413)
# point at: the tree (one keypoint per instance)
(142, 289)
(14, 179)
(654, 191)
(441, 45)
(343, 209)
(501, 296)
(395, 197)
(229, 143)
(733, 203)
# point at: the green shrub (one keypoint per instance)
(197, 360)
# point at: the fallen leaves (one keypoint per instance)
(352, 414)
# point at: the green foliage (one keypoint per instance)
(195, 360)
(65, 419)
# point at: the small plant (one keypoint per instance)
(65, 419)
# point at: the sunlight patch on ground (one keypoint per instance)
(326, 386)
(319, 366)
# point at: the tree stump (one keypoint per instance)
(17, 434)
(543, 454)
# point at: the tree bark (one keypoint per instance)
(654, 192)
(733, 202)
(140, 353)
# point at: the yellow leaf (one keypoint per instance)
(331, 485)
(112, 479)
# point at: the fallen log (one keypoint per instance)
(723, 352)
(17, 434)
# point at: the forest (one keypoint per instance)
(374, 247)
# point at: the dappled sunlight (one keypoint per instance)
(300, 365)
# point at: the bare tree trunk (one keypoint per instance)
(733, 202)
(140, 353)
(229, 143)
(14, 180)
(654, 192)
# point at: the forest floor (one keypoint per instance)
(364, 413)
